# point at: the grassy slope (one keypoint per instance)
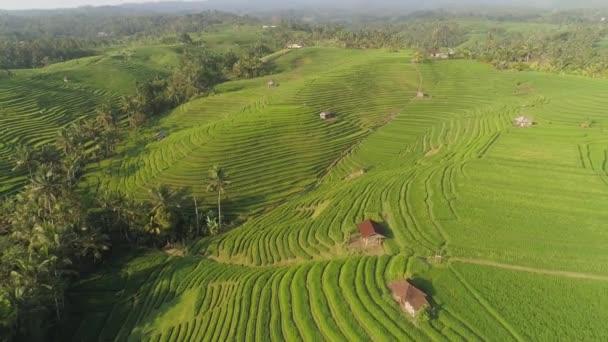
(35, 104)
(444, 172)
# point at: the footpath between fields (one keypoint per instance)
(567, 274)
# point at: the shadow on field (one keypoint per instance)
(427, 287)
(122, 299)
(385, 229)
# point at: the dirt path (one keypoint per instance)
(575, 275)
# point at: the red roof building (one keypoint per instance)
(370, 232)
(410, 298)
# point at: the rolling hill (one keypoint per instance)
(500, 225)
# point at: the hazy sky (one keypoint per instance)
(27, 4)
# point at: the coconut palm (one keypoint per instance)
(23, 158)
(65, 140)
(218, 181)
(162, 214)
(106, 116)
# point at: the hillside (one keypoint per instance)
(35, 104)
(515, 213)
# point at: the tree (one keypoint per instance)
(418, 57)
(107, 116)
(8, 318)
(218, 181)
(162, 218)
(23, 158)
(185, 38)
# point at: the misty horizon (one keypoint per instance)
(248, 5)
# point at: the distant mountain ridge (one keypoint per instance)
(252, 6)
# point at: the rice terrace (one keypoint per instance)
(229, 171)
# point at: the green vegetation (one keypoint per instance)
(230, 208)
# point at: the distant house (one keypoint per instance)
(161, 135)
(327, 115)
(436, 54)
(522, 121)
(370, 233)
(411, 299)
(439, 55)
(294, 46)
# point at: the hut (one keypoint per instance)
(162, 134)
(411, 299)
(370, 233)
(327, 115)
(522, 121)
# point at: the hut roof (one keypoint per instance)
(369, 228)
(409, 293)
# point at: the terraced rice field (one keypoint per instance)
(35, 104)
(31, 112)
(517, 212)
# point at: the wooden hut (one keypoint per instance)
(327, 115)
(411, 299)
(370, 233)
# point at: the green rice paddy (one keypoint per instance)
(517, 212)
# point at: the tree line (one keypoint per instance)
(56, 228)
(42, 51)
(572, 50)
(199, 71)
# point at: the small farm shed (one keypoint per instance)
(370, 233)
(327, 115)
(162, 134)
(522, 121)
(410, 298)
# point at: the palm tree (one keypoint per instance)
(44, 188)
(218, 181)
(106, 116)
(72, 165)
(162, 213)
(23, 158)
(65, 140)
